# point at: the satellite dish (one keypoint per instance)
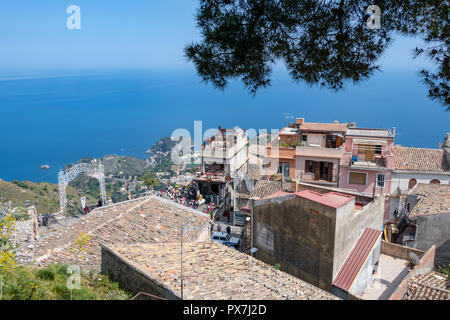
(415, 259)
(253, 250)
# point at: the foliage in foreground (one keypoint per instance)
(326, 43)
(50, 283)
(444, 270)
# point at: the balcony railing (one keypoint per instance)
(356, 161)
(320, 152)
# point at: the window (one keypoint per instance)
(357, 178)
(378, 149)
(283, 168)
(380, 180)
(412, 182)
(305, 137)
(308, 166)
(286, 170)
(435, 181)
(280, 167)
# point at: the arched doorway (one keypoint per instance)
(435, 181)
(412, 183)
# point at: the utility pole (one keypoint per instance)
(181, 261)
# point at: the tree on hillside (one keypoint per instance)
(150, 180)
(321, 42)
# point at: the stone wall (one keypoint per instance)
(26, 231)
(131, 278)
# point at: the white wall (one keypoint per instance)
(315, 139)
(402, 179)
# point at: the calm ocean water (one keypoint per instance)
(57, 119)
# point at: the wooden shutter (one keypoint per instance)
(357, 178)
(330, 171)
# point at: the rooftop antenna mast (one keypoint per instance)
(287, 118)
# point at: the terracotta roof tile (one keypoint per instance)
(432, 199)
(217, 272)
(312, 126)
(264, 188)
(420, 159)
(277, 194)
(356, 259)
(149, 220)
(432, 286)
(331, 199)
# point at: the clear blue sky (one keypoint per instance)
(115, 34)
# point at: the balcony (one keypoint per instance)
(319, 152)
(377, 162)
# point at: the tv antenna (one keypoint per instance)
(287, 117)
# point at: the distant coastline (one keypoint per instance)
(64, 118)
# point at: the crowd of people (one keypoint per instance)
(189, 197)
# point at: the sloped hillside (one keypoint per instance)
(46, 194)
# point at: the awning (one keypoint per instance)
(370, 142)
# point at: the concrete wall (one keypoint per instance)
(286, 232)
(434, 229)
(399, 251)
(131, 278)
(350, 225)
(308, 246)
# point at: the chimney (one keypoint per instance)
(447, 140)
(299, 121)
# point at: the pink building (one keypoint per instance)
(368, 161)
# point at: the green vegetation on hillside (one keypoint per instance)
(44, 195)
(50, 283)
(121, 172)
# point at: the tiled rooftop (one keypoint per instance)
(366, 132)
(420, 159)
(149, 220)
(430, 188)
(335, 127)
(432, 286)
(215, 271)
(264, 188)
(433, 199)
(331, 199)
(356, 259)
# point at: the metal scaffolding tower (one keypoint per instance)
(90, 169)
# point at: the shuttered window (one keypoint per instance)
(357, 178)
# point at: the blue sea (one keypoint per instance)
(55, 118)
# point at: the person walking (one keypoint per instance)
(229, 230)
